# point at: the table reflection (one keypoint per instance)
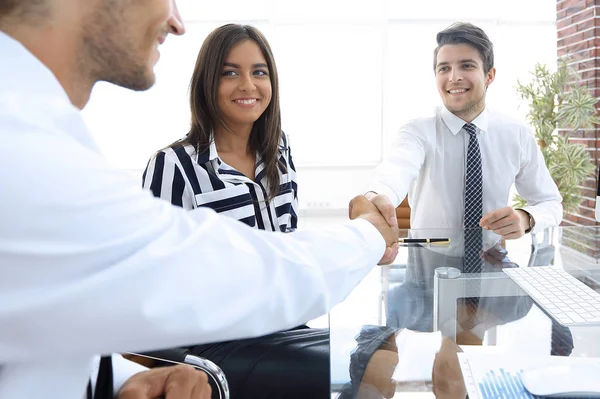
(483, 302)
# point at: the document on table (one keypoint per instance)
(489, 376)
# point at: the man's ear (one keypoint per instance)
(490, 76)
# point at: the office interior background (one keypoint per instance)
(351, 73)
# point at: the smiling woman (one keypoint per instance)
(235, 158)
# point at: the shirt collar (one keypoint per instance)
(208, 155)
(29, 91)
(455, 124)
(211, 154)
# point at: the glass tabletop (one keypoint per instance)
(386, 334)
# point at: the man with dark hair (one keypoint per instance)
(465, 33)
(89, 262)
(459, 165)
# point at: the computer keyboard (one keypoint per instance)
(564, 298)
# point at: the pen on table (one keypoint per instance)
(424, 240)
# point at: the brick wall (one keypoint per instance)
(578, 37)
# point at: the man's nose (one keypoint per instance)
(175, 22)
(455, 75)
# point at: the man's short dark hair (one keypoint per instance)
(466, 33)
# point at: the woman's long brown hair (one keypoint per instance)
(204, 88)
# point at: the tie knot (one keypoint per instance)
(470, 128)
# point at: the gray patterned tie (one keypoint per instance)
(473, 203)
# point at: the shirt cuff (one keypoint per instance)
(382, 189)
(371, 236)
(538, 218)
(123, 370)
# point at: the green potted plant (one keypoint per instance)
(558, 101)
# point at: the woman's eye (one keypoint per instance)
(229, 73)
(260, 72)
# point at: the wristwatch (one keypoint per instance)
(531, 222)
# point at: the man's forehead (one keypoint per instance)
(458, 53)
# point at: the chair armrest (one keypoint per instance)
(213, 371)
(403, 214)
(180, 356)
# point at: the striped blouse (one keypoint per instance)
(190, 180)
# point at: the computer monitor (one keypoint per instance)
(598, 196)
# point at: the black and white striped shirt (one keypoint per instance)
(190, 180)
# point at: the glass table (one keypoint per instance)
(385, 335)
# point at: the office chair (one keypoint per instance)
(403, 214)
(217, 378)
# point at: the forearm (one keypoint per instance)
(394, 175)
(192, 283)
(534, 183)
(104, 267)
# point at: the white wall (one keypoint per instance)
(351, 72)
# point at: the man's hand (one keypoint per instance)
(176, 382)
(447, 377)
(507, 222)
(361, 207)
(385, 207)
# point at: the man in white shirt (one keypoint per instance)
(428, 159)
(458, 167)
(89, 262)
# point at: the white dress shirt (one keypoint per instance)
(428, 157)
(90, 263)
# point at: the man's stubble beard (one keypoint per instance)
(108, 54)
(471, 109)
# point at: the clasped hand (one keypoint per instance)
(383, 218)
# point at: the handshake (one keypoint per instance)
(379, 211)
